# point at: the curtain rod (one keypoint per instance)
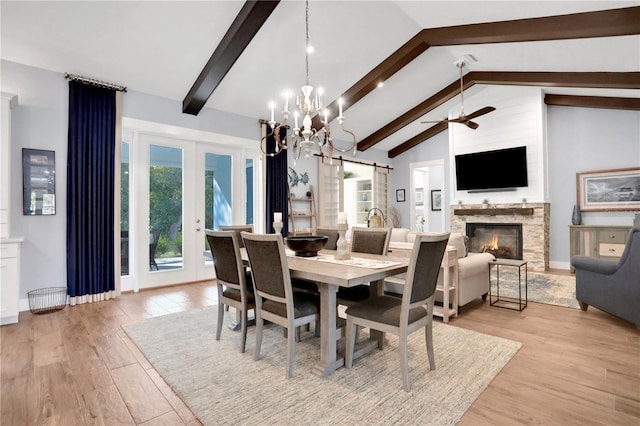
(95, 82)
(366, 163)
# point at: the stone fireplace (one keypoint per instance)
(503, 240)
(532, 220)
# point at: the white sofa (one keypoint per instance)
(473, 268)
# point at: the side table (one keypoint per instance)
(509, 302)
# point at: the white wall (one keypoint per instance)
(517, 121)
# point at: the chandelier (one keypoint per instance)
(308, 104)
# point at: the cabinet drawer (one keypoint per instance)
(611, 250)
(8, 251)
(612, 237)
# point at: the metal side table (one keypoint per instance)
(508, 302)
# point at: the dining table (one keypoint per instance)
(331, 274)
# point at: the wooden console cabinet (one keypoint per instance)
(603, 242)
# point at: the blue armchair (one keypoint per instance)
(609, 286)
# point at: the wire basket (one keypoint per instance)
(45, 300)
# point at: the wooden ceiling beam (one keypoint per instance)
(246, 25)
(418, 139)
(605, 102)
(605, 23)
(605, 80)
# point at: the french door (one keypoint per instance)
(180, 188)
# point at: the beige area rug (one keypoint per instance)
(223, 386)
(551, 289)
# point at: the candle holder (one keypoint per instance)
(277, 227)
(342, 252)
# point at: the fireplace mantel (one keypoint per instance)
(507, 211)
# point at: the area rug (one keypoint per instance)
(551, 289)
(223, 386)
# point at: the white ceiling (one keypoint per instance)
(160, 47)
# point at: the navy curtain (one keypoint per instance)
(90, 192)
(277, 184)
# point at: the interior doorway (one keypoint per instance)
(428, 196)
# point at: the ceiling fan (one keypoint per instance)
(462, 118)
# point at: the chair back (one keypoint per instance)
(237, 229)
(424, 267)
(269, 267)
(224, 246)
(370, 240)
(332, 234)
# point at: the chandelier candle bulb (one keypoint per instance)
(326, 115)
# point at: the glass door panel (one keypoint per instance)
(165, 208)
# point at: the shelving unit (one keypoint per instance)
(449, 287)
(302, 210)
(358, 200)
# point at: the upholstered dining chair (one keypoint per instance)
(332, 241)
(331, 234)
(237, 229)
(233, 281)
(364, 240)
(412, 312)
(275, 299)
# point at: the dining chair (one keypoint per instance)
(331, 234)
(332, 241)
(233, 280)
(413, 311)
(364, 240)
(275, 299)
(237, 229)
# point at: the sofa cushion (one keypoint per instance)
(473, 264)
(399, 235)
(457, 240)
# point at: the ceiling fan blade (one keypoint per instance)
(481, 111)
(472, 125)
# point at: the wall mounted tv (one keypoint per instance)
(503, 169)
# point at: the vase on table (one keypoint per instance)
(576, 217)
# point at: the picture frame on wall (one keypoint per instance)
(609, 190)
(38, 182)
(400, 197)
(436, 200)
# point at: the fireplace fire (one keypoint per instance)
(503, 240)
(493, 247)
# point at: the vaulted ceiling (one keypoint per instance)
(591, 50)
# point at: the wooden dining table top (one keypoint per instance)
(341, 274)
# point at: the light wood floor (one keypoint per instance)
(77, 366)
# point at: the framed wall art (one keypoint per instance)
(436, 200)
(38, 182)
(607, 190)
(400, 196)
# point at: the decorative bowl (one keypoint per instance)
(306, 245)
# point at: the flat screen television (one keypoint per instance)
(501, 169)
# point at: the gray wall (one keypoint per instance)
(580, 140)
(40, 121)
(436, 148)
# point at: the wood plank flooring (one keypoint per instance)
(78, 367)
